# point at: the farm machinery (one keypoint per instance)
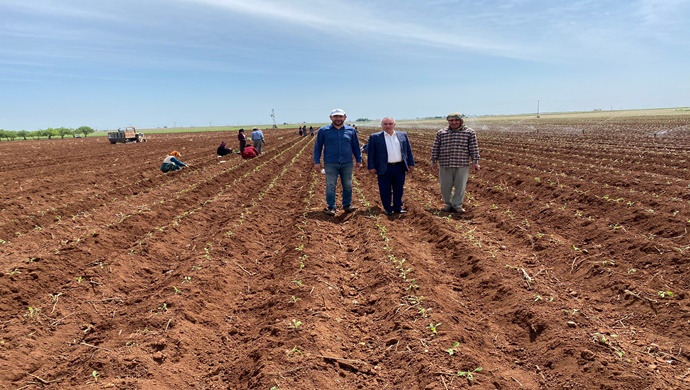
(128, 134)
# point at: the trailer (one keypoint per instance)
(128, 134)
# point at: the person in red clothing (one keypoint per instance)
(249, 152)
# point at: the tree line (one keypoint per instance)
(49, 133)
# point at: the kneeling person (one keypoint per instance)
(171, 163)
(249, 152)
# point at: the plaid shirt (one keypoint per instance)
(455, 148)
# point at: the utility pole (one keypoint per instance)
(273, 115)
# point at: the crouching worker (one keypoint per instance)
(171, 162)
(223, 150)
(249, 152)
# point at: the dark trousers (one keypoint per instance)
(391, 186)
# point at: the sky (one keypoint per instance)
(180, 63)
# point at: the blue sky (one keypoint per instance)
(155, 63)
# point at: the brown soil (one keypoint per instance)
(569, 270)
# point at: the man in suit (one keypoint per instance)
(390, 158)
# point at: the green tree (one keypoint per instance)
(63, 131)
(10, 135)
(37, 134)
(50, 133)
(84, 130)
(23, 134)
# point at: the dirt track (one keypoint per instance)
(227, 274)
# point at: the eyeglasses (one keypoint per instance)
(454, 120)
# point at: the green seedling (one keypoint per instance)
(14, 272)
(665, 294)
(176, 290)
(414, 300)
(294, 299)
(298, 282)
(451, 351)
(469, 374)
(294, 324)
(424, 312)
(433, 327)
(34, 312)
(95, 374)
(631, 271)
(293, 351)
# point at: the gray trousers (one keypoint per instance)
(258, 144)
(453, 177)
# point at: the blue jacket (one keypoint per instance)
(337, 145)
(378, 153)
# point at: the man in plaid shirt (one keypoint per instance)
(455, 149)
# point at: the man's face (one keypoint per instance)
(454, 123)
(388, 125)
(338, 120)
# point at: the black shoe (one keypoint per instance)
(388, 212)
(449, 209)
(328, 211)
(349, 209)
(403, 211)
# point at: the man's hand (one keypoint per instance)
(359, 165)
(372, 171)
(317, 168)
(476, 167)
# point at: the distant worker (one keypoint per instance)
(249, 152)
(300, 131)
(454, 150)
(242, 138)
(171, 162)
(223, 150)
(311, 130)
(258, 139)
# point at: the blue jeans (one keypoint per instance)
(333, 170)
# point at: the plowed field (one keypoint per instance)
(569, 270)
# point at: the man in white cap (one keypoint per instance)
(454, 150)
(338, 143)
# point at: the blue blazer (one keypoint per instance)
(378, 153)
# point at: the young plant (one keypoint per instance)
(433, 327)
(665, 294)
(451, 351)
(294, 324)
(469, 374)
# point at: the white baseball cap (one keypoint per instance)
(338, 111)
